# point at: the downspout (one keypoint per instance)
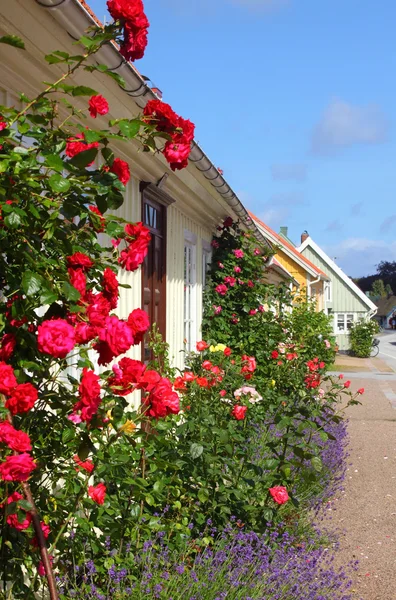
(64, 11)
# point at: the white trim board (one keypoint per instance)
(309, 242)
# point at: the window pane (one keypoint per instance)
(349, 319)
(341, 322)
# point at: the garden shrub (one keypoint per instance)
(361, 337)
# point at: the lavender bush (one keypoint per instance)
(239, 566)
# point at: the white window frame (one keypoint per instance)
(346, 318)
(190, 290)
(328, 291)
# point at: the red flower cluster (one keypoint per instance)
(89, 393)
(12, 519)
(77, 144)
(110, 287)
(3, 124)
(86, 465)
(274, 354)
(131, 14)
(7, 346)
(249, 366)
(138, 237)
(161, 399)
(98, 106)
(17, 468)
(115, 338)
(181, 130)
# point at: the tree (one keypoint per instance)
(388, 290)
(378, 288)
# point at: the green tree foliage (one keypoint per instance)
(361, 337)
(378, 288)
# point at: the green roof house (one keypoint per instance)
(343, 299)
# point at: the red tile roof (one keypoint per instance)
(285, 243)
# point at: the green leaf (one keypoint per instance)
(67, 435)
(70, 292)
(130, 128)
(203, 495)
(25, 505)
(108, 155)
(54, 162)
(56, 57)
(316, 463)
(31, 283)
(12, 40)
(13, 220)
(58, 183)
(91, 136)
(48, 297)
(150, 500)
(196, 451)
(83, 159)
(83, 90)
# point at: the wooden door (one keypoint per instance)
(154, 269)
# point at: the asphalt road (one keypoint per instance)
(388, 347)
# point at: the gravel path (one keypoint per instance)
(366, 510)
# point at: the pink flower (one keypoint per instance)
(230, 280)
(201, 346)
(347, 384)
(253, 311)
(15, 439)
(12, 519)
(97, 493)
(237, 269)
(223, 393)
(327, 344)
(238, 253)
(221, 289)
(279, 494)
(214, 244)
(98, 106)
(341, 376)
(217, 309)
(256, 252)
(56, 338)
(360, 391)
(74, 418)
(40, 568)
(261, 308)
(115, 338)
(7, 379)
(220, 265)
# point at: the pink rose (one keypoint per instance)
(221, 289)
(238, 253)
(56, 338)
(279, 494)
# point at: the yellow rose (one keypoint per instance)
(128, 427)
(273, 382)
(218, 348)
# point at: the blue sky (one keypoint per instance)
(296, 101)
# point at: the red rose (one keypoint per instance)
(97, 493)
(239, 412)
(221, 289)
(121, 169)
(110, 287)
(202, 382)
(23, 398)
(249, 366)
(360, 391)
(79, 260)
(347, 384)
(56, 338)
(16, 440)
(125, 10)
(102, 221)
(46, 529)
(162, 115)
(133, 256)
(7, 379)
(223, 393)
(3, 124)
(41, 569)
(115, 339)
(139, 323)
(274, 354)
(89, 394)
(341, 376)
(85, 333)
(17, 468)
(98, 309)
(7, 346)
(189, 376)
(227, 351)
(228, 222)
(163, 400)
(177, 154)
(98, 106)
(86, 465)
(78, 280)
(279, 494)
(207, 365)
(201, 346)
(179, 384)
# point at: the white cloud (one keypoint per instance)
(279, 208)
(359, 256)
(289, 171)
(343, 124)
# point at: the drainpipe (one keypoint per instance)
(71, 15)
